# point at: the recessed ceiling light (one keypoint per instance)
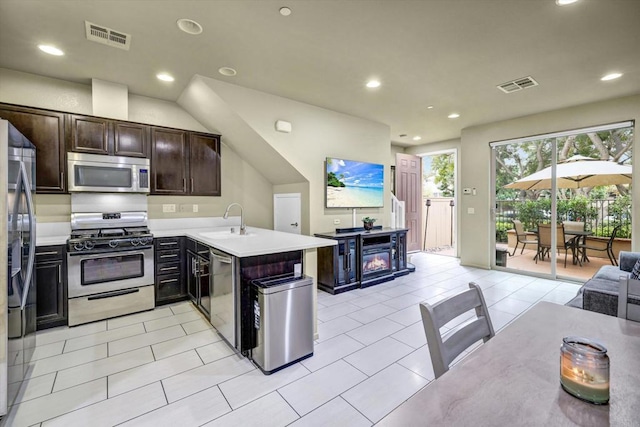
(285, 11)
(227, 71)
(417, 138)
(165, 77)
(51, 50)
(189, 26)
(371, 84)
(430, 107)
(565, 2)
(453, 115)
(611, 76)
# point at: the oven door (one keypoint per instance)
(90, 274)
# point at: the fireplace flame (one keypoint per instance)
(377, 263)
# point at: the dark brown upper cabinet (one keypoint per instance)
(97, 135)
(204, 164)
(169, 161)
(185, 163)
(45, 129)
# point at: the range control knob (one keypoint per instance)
(135, 242)
(78, 246)
(113, 243)
(89, 244)
(146, 241)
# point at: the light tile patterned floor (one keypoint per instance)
(169, 366)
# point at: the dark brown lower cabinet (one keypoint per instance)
(51, 287)
(171, 283)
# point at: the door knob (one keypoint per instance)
(295, 224)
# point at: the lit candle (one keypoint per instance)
(584, 369)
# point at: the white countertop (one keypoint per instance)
(257, 241)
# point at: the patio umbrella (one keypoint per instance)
(576, 172)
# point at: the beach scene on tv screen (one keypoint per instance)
(352, 184)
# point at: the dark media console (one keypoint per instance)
(362, 258)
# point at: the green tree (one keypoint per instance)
(443, 167)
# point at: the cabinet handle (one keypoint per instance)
(168, 243)
(48, 253)
(61, 179)
(168, 281)
(193, 266)
(184, 185)
(192, 185)
(169, 256)
(60, 274)
(168, 268)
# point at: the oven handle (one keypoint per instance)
(106, 254)
(113, 294)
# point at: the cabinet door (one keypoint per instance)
(45, 129)
(130, 139)
(347, 261)
(89, 134)
(169, 161)
(204, 164)
(50, 295)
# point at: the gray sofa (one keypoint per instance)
(600, 293)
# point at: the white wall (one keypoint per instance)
(475, 230)
(317, 133)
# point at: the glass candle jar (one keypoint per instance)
(584, 369)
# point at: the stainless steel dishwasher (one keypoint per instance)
(283, 321)
(223, 294)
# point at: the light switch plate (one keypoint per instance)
(471, 211)
(195, 208)
(168, 208)
(336, 221)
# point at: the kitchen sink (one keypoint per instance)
(225, 235)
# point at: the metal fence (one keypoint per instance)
(507, 210)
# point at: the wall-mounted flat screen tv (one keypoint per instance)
(352, 184)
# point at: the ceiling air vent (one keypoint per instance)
(104, 35)
(518, 84)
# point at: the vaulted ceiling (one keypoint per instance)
(449, 54)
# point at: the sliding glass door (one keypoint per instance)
(563, 196)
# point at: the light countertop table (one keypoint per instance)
(514, 379)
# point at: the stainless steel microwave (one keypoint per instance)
(107, 174)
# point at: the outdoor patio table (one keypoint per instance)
(514, 378)
(575, 241)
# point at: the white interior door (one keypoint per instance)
(287, 212)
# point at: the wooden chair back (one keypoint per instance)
(444, 349)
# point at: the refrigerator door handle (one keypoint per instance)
(32, 233)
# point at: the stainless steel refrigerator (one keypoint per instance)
(17, 286)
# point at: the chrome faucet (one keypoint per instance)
(243, 228)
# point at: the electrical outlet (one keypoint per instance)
(336, 221)
(195, 208)
(168, 208)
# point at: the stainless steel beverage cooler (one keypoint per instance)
(283, 321)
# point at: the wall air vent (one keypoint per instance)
(518, 84)
(104, 35)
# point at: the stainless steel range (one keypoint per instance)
(109, 258)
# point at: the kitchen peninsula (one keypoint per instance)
(220, 265)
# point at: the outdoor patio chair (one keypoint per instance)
(544, 242)
(572, 239)
(592, 245)
(444, 349)
(521, 237)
